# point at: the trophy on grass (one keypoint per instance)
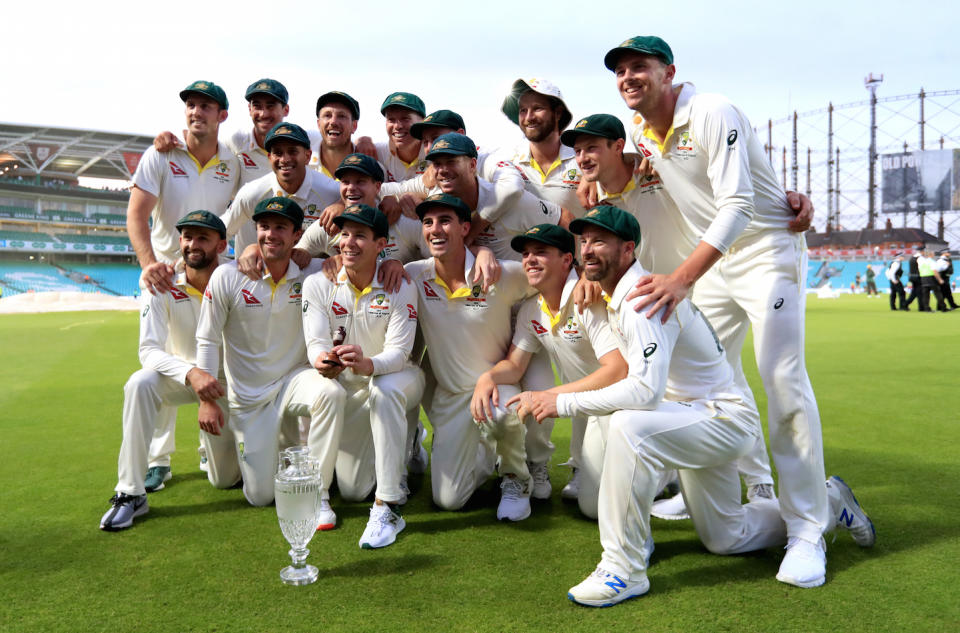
(297, 489)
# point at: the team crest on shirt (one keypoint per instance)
(477, 300)
(295, 293)
(572, 178)
(649, 184)
(380, 306)
(685, 148)
(223, 173)
(247, 161)
(570, 331)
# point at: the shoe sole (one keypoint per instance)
(850, 501)
(402, 524)
(326, 527)
(525, 516)
(142, 510)
(803, 585)
(635, 593)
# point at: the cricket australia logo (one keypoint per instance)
(380, 306)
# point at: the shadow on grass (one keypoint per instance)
(382, 565)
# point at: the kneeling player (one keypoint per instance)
(168, 319)
(372, 362)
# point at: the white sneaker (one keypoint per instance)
(760, 491)
(202, 450)
(514, 499)
(418, 455)
(804, 564)
(541, 480)
(603, 589)
(572, 489)
(382, 527)
(672, 509)
(328, 519)
(849, 515)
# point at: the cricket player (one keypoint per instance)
(337, 116)
(203, 174)
(679, 407)
(288, 151)
(269, 380)
(402, 154)
(372, 363)
(168, 324)
(549, 167)
(580, 345)
(451, 311)
(750, 263)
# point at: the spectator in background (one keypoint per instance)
(944, 266)
(893, 273)
(914, 277)
(856, 285)
(871, 284)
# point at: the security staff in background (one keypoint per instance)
(929, 282)
(914, 277)
(893, 273)
(944, 266)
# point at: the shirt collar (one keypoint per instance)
(300, 195)
(626, 283)
(343, 279)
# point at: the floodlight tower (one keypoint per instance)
(872, 82)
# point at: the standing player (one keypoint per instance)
(402, 154)
(337, 116)
(580, 345)
(168, 325)
(380, 380)
(448, 309)
(549, 168)
(269, 381)
(749, 263)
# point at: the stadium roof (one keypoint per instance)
(68, 153)
(872, 237)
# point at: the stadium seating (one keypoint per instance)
(37, 277)
(27, 236)
(839, 274)
(59, 215)
(94, 238)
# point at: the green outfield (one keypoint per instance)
(203, 560)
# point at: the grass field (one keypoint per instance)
(203, 560)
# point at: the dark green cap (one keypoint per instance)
(613, 219)
(440, 118)
(406, 100)
(288, 131)
(203, 219)
(452, 144)
(270, 87)
(645, 44)
(445, 200)
(284, 207)
(336, 96)
(604, 125)
(362, 163)
(550, 234)
(207, 89)
(366, 215)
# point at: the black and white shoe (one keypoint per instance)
(125, 509)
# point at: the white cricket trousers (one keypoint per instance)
(539, 377)
(761, 283)
(704, 444)
(591, 463)
(373, 442)
(261, 430)
(147, 397)
(461, 455)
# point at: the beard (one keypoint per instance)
(197, 259)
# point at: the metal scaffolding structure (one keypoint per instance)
(841, 145)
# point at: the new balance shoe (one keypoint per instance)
(541, 480)
(672, 509)
(514, 499)
(603, 589)
(328, 518)
(418, 455)
(382, 527)
(760, 491)
(849, 515)
(124, 508)
(155, 478)
(572, 489)
(804, 564)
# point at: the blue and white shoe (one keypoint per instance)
(155, 477)
(124, 509)
(849, 515)
(603, 589)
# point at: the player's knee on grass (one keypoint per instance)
(452, 498)
(355, 490)
(258, 495)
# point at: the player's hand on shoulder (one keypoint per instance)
(429, 176)
(486, 268)
(250, 262)
(587, 193)
(205, 385)
(158, 278)
(586, 293)
(166, 141)
(390, 207)
(365, 145)
(392, 275)
(409, 202)
(329, 213)
(331, 267)
(658, 292)
(301, 257)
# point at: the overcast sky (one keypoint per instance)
(118, 66)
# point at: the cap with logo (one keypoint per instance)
(270, 87)
(511, 103)
(335, 96)
(207, 89)
(644, 44)
(445, 200)
(284, 207)
(452, 144)
(549, 234)
(603, 125)
(203, 219)
(366, 215)
(286, 131)
(362, 163)
(406, 100)
(440, 118)
(611, 218)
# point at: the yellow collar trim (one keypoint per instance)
(275, 284)
(648, 133)
(190, 290)
(210, 163)
(459, 293)
(554, 319)
(543, 176)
